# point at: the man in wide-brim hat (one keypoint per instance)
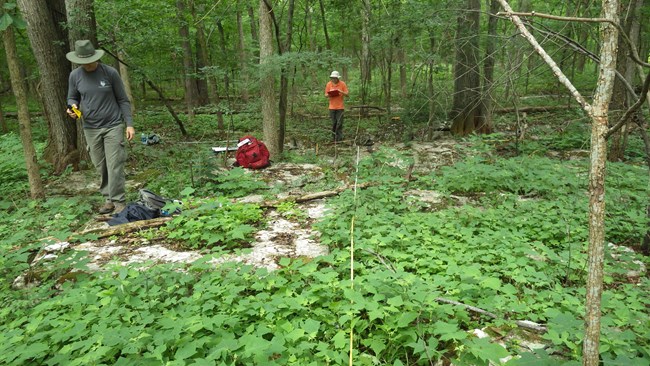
(97, 91)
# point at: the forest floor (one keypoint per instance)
(285, 235)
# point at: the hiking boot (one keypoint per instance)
(107, 208)
(119, 207)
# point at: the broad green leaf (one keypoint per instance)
(5, 21)
(341, 339)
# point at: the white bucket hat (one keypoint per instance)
(335, 74)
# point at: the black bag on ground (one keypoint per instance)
(133, 212)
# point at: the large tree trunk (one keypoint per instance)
(202, 60)
(284, 77)
(50, 46)
(20, 91)
(81, 25)
(488, 70)
(466, 109)
(191, 90)
(267, 83)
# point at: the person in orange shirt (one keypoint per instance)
(336, 90)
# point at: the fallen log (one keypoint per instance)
(548, 108)
(127, 228)
(312, 196)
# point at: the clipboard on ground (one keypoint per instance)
(220, 149)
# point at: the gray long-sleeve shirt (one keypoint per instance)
(100, 96)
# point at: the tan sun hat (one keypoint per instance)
(84, 53)
(335, 74)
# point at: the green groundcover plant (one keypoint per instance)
(509, 237)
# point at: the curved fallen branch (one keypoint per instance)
(127, 228)
(526, 324)
(311, 196)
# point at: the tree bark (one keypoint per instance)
(224, 51)
(619, 97)
(20, 91)
(124, 75)
(401, 59)
(488, 70)
(466, 109)
(50, 46)
(3, 121)
(243, 60)
(81, 25)
(284, 77)
(365, 50)
(430, 92)
(254, 35)
(602, 97)
(598, 113)
(267, 82)
(328, 44)
(191, 90)
(202, 60)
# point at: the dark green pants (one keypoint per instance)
(336, 115)
(108, 153)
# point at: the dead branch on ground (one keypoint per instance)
(128, 227)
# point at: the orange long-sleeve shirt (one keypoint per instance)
(336, 101)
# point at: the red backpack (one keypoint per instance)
(252, 153)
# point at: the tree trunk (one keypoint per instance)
(583, 36)
(430, 92)
(401, 58)
(81, 21)
(224, 51)
(602, 97)
(202, 60)
(251, 16)
(328, 44)
(243, 60)
(365, 51)
(488, 70)
(20, 91)
(598, 113)
(309, 20)
(3, 121)
(466, 110)
(50, 47)
(191, 90)
(619, 97)
(124, 75)
(284, 77)
(81, 25)
(267, 83)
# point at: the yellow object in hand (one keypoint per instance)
(75, 110)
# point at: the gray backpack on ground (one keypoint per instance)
(155, 202)
(151, 200)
